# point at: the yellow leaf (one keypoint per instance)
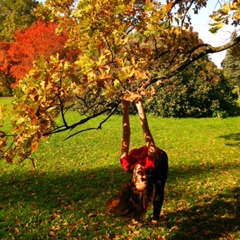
(91, 215)
(16, 230)
(117, 83)
(133, 61)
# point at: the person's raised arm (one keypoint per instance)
(147, 134)
(126, 129)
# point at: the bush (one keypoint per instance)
(199, 91)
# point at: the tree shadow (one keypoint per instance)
(39, 199)
(215, 218)
(54, 196)
(232, 139)
(51, 189)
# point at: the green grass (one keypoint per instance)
(65, 197)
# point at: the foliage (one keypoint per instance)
(5, 85)
(231, 64)
(65, 197)
(112, 61)
(5, 77)
(39, 40)
(229, 13)
(41, 117)
(199, 91)
(15, 15)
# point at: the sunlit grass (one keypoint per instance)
(65, 197)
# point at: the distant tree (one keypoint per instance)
(200, 90)
(231, 64)
(6, 78)
(15, 15)
(39, 40)
(5, 82)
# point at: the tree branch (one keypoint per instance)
(185, 14)
(109, 108)
(62, 106)
(192, 57)
(99, 127)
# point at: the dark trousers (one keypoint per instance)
(159, 177)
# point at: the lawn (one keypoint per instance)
(65, 197)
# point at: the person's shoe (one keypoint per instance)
(131, 97)
(155, 220)
(134, 221)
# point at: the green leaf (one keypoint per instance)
(120, 9)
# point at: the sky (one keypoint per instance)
(200, 24)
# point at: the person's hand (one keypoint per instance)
(140, 109)
(131, 97)
(139, 103)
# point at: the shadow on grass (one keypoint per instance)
(34, 205)
(212, 216)
(216, 218)
(232, 139)
(31, 203)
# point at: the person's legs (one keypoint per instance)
(159, 179)
(158, 199)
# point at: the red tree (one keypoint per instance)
(39, 40)
(4, 58)
(6, 78)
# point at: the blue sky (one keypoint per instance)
(201, 25)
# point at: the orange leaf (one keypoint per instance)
(169, 6)
(34, 146)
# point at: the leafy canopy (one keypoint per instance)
(38, 40)
(231, 65)
(195, 92)
(121, 42)
(15, 15)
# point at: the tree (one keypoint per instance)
(15, 15)
(200, 90)
(231, 64)
(111, 61)
(39, 40)
(5, 76)
(5, 82)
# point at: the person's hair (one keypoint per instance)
(131, 202)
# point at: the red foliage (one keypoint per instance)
(4, 58)
(39, 40)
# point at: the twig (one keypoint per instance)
(99, 127)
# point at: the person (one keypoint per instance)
(148, 166)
